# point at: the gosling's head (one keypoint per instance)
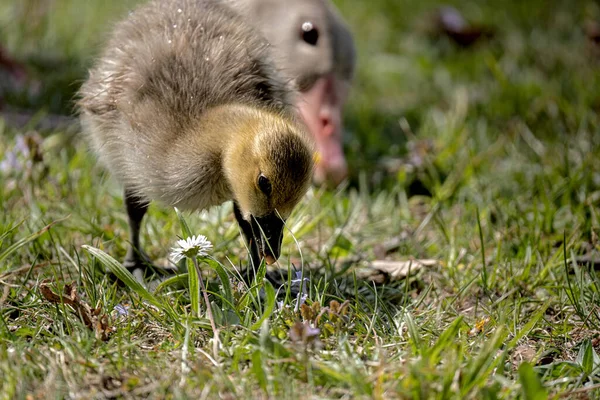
(269, 170)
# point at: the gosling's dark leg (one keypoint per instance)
(136, 258)
(136, 209)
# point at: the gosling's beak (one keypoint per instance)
(321, 108)
(268, 234)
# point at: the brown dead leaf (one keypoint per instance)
(310, 313)
(381, 271)
(338, 311)
(49, 294)
(91, 317)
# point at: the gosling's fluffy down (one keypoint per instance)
(185, 107)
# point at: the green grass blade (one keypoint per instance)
(258, 370)
(269, 306)
(531, 386)
(124, 275)
(223, 277)
(16, 246)
(194, 287)
(484, 362)
(177, 280)
(525, 329)
(413, 332)
(9, 230)
(185, 228)
(484, 273)
(445, 339)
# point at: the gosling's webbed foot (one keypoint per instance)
(280, 278)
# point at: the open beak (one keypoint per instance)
(321, 108)
(268, 234)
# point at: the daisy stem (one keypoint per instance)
(205, 294)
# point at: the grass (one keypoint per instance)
(484, 159)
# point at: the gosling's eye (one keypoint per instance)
(310, 34)
(264, 184)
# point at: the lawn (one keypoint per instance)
(483, 160)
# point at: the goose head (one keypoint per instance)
(314, 48)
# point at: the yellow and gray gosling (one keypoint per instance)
(185, 107)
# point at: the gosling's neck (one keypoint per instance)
(246, 129)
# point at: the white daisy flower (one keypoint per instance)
(195, 246)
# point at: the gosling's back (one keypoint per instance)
(163, 67)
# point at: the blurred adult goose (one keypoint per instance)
(314, 48)
(185, 107)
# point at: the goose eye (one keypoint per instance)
(310, 34)
(264, 184)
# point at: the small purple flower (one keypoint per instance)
(122, 310)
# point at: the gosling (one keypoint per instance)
(185, 108)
